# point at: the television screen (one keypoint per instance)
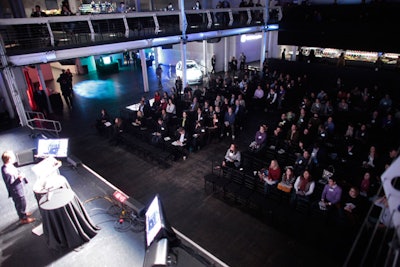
(153, 221)
(107, 60)
(53, 147)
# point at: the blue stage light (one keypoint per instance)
(100, 89)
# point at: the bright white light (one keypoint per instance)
(244, 38)
(106, 60)
(273, 27)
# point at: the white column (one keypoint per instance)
(233, 46)
(156, 61)
(183, 58)
(137, 5)
(294, 50)
(226, 56)
(183, 27)
(263, 49)
(205, 57)
(269, 46)
(151, 5)
(42, 84)
(144, 70)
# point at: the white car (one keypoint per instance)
(194, 74)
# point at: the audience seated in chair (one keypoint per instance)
(140, 121)
(186, 123)
(103, 123)
(331, 197)
(271, 176)
(214, 129)
(260, 139)
(232, 157)
(353, 208)
(229, 123)
(287, 181)
(171, 108)
(180, 144)
(258, 97)
(303, 188)
(160, 132)
(199, 137)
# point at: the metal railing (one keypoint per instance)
(38, 123)
(32, 35)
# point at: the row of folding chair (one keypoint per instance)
(237, 187)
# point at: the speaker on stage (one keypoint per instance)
(157, 254)
(25, 157)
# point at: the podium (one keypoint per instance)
(47, 167)
(45, 186)
(49, 177)
(66, 224)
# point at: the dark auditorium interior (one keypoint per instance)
(221, 213)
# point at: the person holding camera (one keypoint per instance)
(15, 181)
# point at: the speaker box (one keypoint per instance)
(25, 157)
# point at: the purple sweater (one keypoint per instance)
(260, 137)
(332, 194)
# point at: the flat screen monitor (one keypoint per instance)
(57, 148)
(154, 222)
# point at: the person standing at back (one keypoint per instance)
(341, 62)
(213, 62)
(14, 181)
(65, 88)
(233, 64)
(284, 54)
(37, 12)
(69, 79)
(197, 5)
(159, 72)
(242, 61)
(121, 8)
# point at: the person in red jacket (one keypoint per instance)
(271, 176)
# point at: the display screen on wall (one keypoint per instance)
(51, 4)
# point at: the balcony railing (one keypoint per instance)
(33, 35)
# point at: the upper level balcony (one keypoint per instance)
(58, 34)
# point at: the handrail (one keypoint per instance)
(34, 114)
(45, 125)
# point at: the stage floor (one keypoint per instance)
(115, 244)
